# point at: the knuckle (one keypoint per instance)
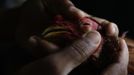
(81, 48)
(85, 47)
(77, 54)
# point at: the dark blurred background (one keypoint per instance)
(118, 11)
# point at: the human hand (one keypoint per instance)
(121, 58)
(64, 61)
(110, 28)
(36, 15)
(119, 67)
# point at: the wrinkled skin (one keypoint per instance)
(36, 16)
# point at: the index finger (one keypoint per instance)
(110, 27)
(124, 54)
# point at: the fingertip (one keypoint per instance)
(35, 40)
(116, 29)
(111, 29)
(122, 43)
(32, 40)
(94, 36)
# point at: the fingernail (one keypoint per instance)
(110, 29)
(94, 36)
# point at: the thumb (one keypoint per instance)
(78, 52)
